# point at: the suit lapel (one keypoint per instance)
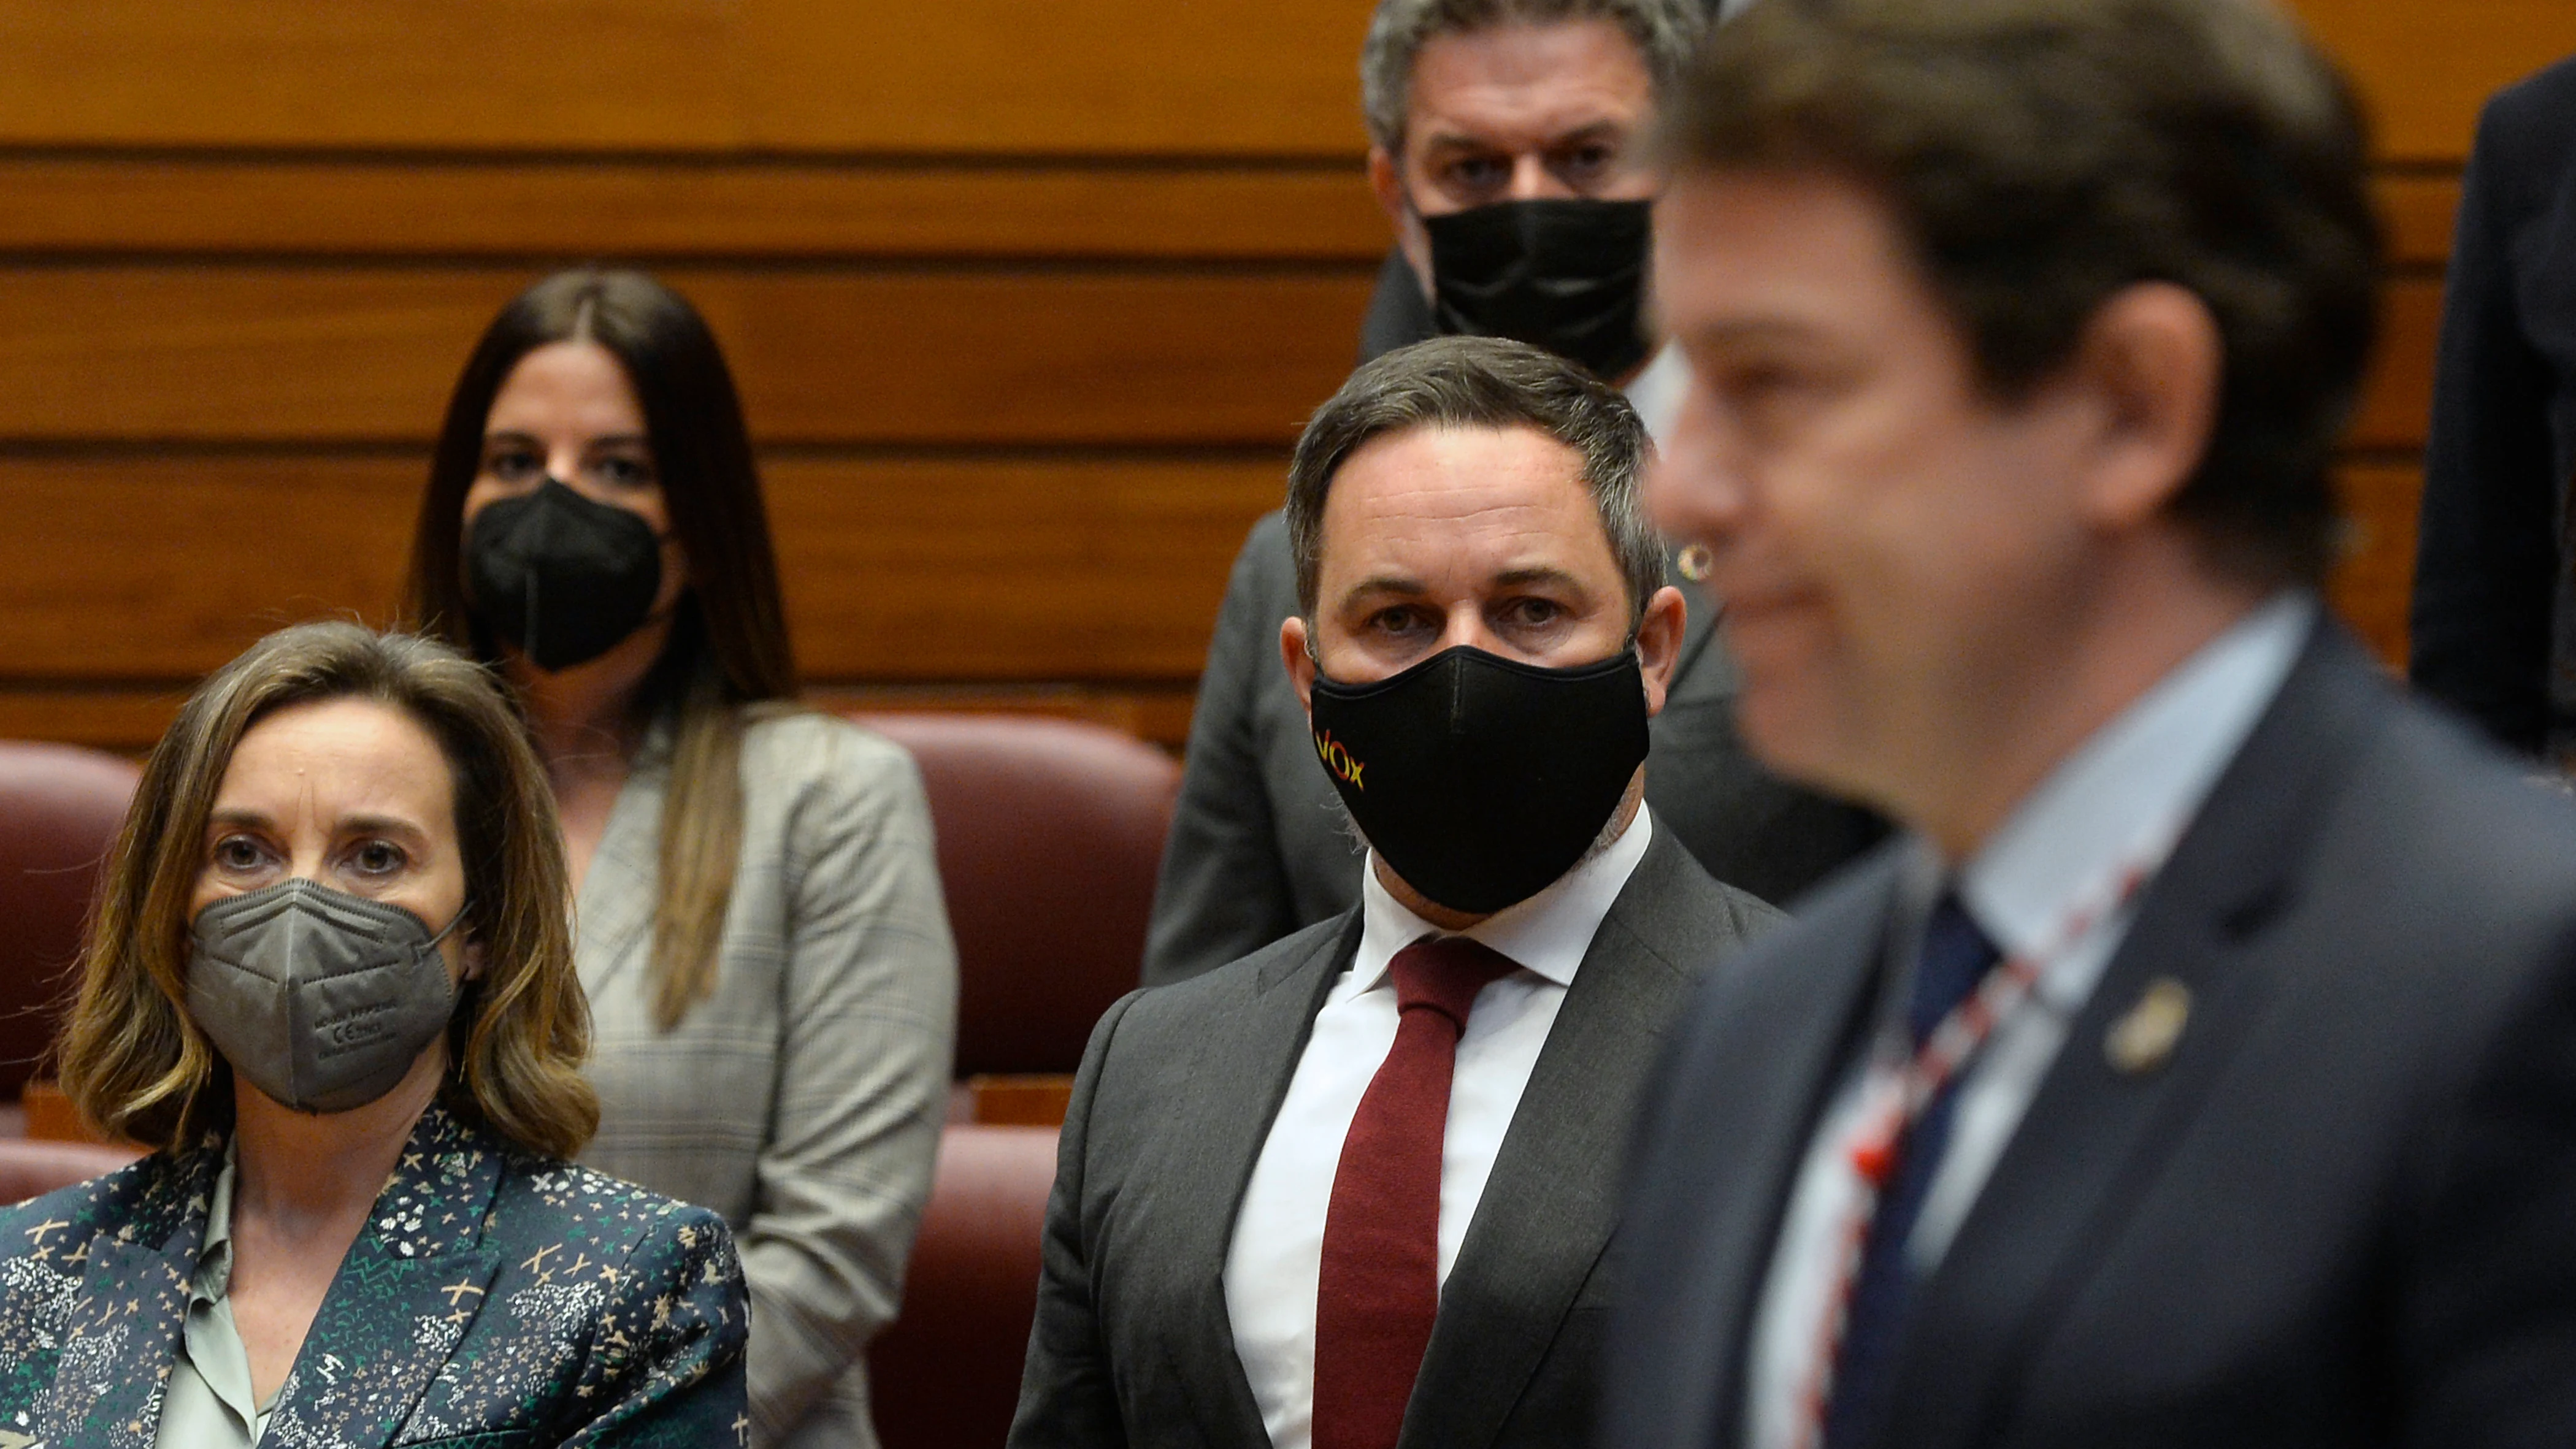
(1231, 1089)
(1550, 1204)
(133, 1306)
(123, 1337)
(1763, 1069)
(405, 1296)
(2094, 1135)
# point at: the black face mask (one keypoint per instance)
(1482, 780)
(1565, 275)
(561, 578)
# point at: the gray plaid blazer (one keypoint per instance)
(803, 1099)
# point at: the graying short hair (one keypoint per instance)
(1481, 382)
(1667, 32)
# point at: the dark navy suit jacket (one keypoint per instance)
(2342, 1213)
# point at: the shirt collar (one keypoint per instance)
(2125, 794)
(1548, 934)
(214, 1276)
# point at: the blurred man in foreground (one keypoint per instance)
(2201, 1067)
(1358, 1185)
(1504, 150)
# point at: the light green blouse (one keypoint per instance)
(207, 1404)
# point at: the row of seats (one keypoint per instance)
(1050, 833)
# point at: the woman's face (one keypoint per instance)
(350, 793)
(568, 412)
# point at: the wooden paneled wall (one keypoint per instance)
(1027, 303)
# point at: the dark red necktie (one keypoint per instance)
(1380, 1286)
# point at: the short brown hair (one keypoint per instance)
(2041, 155)
(133, 1061)
(1481, 382)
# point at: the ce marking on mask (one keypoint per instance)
(1337, 759)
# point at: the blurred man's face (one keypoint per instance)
(1887, 542)
(1516, 113)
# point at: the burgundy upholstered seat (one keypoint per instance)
(947, 1374)
(30, 1168)
(59, 810)
(1050, 834)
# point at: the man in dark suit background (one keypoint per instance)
(2493, 627)
(1501, 134)
(2200, 1069)
(1356, 1190)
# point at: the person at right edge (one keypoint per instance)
(1500, 148)
(2199, 1069)
(2492, 628)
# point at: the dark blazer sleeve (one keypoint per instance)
(1067, 1397)
(2487, 556)
(2489, 1319)
(666, 1357)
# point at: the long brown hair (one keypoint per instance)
(728, 647)
(134, 1062)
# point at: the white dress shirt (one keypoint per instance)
(1275, 1261)
(2117, 803)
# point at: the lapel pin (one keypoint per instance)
(2144, 1039)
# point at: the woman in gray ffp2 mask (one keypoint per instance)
(330, 983)
(324, 1001)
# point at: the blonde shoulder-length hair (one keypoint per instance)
(133, 1061)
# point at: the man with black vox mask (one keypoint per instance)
(1502, 151)
(1352, 1191)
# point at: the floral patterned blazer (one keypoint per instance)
(495, 1298)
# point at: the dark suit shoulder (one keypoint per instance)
(1229, 987)
(2456, 830)
(1265, 564)
(2530, 116)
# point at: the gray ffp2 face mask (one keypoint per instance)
(321, 999)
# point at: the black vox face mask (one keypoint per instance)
(1565, 275)
(1481, 780)
(560, 577)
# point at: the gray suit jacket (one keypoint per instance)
(1260, 847)
(2343, 1213)
(1132, 1343)
(803, 1100)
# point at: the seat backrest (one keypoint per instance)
(947, 1374)
(1050, 835)
(30, 1168)
(60, 807)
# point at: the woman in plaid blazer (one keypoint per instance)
(761, 929)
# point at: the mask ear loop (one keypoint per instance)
(453, 922)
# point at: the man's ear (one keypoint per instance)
(1659, 643)
(1299, 663)
(2153, 360)
(1386, 180)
